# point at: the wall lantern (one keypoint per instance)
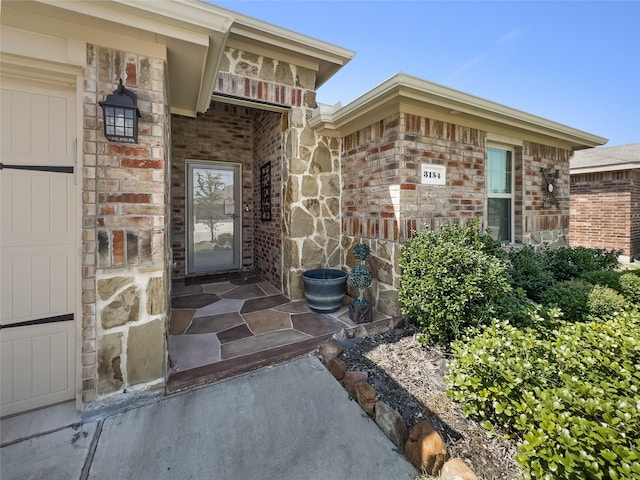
(121, 115)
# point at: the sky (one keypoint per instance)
(576, 63)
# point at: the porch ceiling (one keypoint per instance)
(407, 94)
(190, 35)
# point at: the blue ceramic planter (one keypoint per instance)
(324, 289)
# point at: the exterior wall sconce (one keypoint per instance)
(120, 110)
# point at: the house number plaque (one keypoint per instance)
(433, 174)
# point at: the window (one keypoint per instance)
(500, 193)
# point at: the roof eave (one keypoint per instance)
(605, 168)
(407, 93)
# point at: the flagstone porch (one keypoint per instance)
(234, 323)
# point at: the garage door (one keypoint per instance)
(38, 246)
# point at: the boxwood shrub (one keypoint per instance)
(567, 263)
(630, 287)
(570, 296)
(606, 278)
(571, 396)
(604, 302)
(529, 270)
(453, 278)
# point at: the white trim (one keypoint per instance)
(403, 91)
(606, 168)
(511, 195)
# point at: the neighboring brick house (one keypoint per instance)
(94, 232)
(605, 199)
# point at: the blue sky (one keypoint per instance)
(576, 63)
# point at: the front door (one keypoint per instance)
(39, 246)
(214, 215)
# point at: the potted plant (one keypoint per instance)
(361, 277)
(324, 289)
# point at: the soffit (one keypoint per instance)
(190, 50)
(190, 34)
(406, 94)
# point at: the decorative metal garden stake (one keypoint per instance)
(361, 277)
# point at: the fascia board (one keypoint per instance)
(45, 22)
(288, 40)
(408, 90)
(267, 33)
(191, 12)
(605, 168)
(217, 42)
(136, 15)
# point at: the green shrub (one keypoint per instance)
(630, 287)
(570, 296)
(606, 278)
(530, 271)
(567, 263)
(570, 395)
(603, 302)
(452, 279)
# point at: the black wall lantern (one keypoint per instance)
(120, 110)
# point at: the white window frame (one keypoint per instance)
(511, 196)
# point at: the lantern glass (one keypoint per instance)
(121, 116)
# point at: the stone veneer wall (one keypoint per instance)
(124, 220)
(267, 147)
(310, 164)
(223, 134)
(383, 199)
(605, 211)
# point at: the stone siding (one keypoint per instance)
(124, 219)
(605, 211)
(310, 172)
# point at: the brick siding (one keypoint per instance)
(605, 210)
(124, 188)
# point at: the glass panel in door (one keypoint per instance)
(214, 215)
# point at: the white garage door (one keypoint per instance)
(38, 246)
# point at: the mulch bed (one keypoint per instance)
(408, 377)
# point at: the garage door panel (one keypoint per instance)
(37, 369)
(39, 246)
(40, 205)
(37, 208)
(37, 282)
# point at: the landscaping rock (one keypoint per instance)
(456, 469)
(367, 397)
(329, 349)
(341, 335)
(396, 322)
(376, 328)
(360, 332)
(337, 368)
(351, 378)
(391, 423)
(425, 448)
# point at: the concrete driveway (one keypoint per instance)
(290, 421)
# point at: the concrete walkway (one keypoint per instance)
(291, 421)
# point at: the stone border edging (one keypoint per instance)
(422, 446)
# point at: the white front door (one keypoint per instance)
(39, 246)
